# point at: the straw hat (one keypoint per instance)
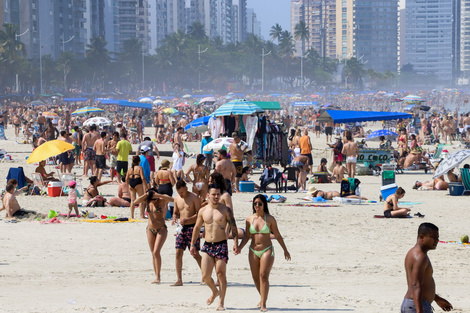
(312, 189)
(165, 164)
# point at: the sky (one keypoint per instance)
(270, 12)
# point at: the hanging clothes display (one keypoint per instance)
(270, 143)
(215, 125)
(230, 125)
(251, 127)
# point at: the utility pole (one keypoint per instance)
(199, 52)
(143, 67)
(16, 39)
(262, 68)
(63, 51)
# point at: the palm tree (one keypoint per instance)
(8, 42)
(64, 63)
(276, 32)
(286, 44)
(354, 71)
(302, 32)
(197, 31)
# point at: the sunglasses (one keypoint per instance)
(258, 204)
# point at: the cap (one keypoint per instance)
(144, 149)
(72, 183)
(206, 134)
(165, 164)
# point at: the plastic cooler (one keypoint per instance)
(388, 190)
(456, 189)
(54, 188)
(247, 186)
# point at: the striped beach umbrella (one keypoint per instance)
(87, 110)
(50, 115)
(237, 107)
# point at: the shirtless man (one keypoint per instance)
(351, 151)
(88, 153)
(302, 162)
(10, 204)
(421, 287)
(66, 159)
(111, 147)
(41, 122)
(236, 154)
(178, 138)
(100, 158)
(466, 122)
(183, 122)
(226, 168)
(329, 131)
(215, 216)
(338, 172)
(17, 123)
(187, 206)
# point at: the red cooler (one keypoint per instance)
(54, 188)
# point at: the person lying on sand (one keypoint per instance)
(329, 195)
(437, 183)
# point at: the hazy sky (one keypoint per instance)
(270, 12)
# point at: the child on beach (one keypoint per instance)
(72, 198)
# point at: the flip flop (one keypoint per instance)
(419, 214)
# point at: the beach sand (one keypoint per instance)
(343, 259)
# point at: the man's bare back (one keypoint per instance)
(226, 168)
(350, 149)
(99, 147)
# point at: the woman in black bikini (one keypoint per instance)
(391, 208)
(156, 229)
(92, 191)
(201, 176)
(124, 195)
(164, 179)
(136, 184)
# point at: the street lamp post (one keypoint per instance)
(262, 68)
(63, 51)
(143, 67)
(16, 39)
(199, 52)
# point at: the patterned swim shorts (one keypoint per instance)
(89, 154)
(183, 239)
(218, 250)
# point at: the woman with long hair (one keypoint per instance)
(259, 227)
(200, 177)
(136, 183)
(156, 229)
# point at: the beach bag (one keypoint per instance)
(97, 201)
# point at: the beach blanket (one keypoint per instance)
(455, 243)
(383, 216)
(314, 205)
(112, 221)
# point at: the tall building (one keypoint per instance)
(429, 37)
(253, 25)
(170, 16)
(375, 31)
(240, 20)
(218, 19)
(95, 18)
(320, 18)
(344, 29)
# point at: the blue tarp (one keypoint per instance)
(304, 103)
(75, 99)
(338, 116)
(111, 101)
(135, 105)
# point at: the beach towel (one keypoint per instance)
(113, 221)
(314, 205)
(467, 245)
(383, 216)
(276, 199)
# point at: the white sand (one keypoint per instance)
(343, 260)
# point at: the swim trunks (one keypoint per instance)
(183, 239)
(328, 130)
(298, 164)
(408, 306)
(228, 185)
(239, 167)
(113, 161)
(310, 159)
(89, 154)
(351, 159)
(121, 167)
(218, 250)
(100, 161)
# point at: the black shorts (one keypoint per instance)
(310, 159)
(100, 161)
(228, 186)
(66, 159)
(239, 168)
(121, 167)
(317, 128)
(388, 213)
(328, 131)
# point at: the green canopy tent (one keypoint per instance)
(268, 105)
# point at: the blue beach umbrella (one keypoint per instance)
(199, 125)
(375, 136)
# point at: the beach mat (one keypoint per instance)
(409, 203)
(456, 243)
(383, 216)
(313, 205)
(111, 221)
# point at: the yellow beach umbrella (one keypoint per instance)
(49, 149)
(50, 115)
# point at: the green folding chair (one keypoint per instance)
(465, 174)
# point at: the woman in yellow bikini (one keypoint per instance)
(259, 227)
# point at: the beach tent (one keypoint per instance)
(304, 103)
(75, 99)
(338, 116)
(268, 105)
(135, 105)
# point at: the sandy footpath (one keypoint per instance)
(343, 260)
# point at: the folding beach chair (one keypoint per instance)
(292, 175)
(37, 182)
(18, 174)
(465, 174)
(66, 178)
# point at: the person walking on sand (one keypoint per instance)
(187, 206)
(215, 216)
(351, 151)
(306, 149)
(236, 154)
(421, 287)
(259, 226)
(157, 230)
(225, 167)
(100, 158)
(72, 198)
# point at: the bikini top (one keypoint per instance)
(264, 230)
